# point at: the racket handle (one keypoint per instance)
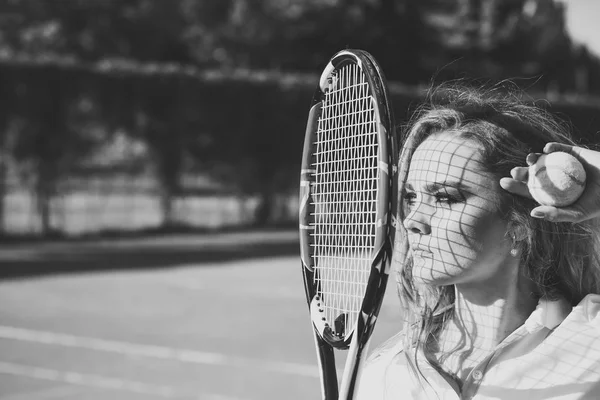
(353, 368)
(327, 372)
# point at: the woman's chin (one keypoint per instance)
(426, 275)
(432, 281)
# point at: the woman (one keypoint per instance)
(500, 299)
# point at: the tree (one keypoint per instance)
(50, 135)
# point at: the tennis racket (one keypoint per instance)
(347, 205)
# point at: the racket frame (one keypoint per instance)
(357, 341)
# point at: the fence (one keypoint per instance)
(250, 124)
(128, 203)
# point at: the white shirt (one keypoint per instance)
(555, 354)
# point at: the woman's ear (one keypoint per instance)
(517, 232)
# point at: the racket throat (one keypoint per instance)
(339, 325)
(336, 332)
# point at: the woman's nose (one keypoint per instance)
(418, 220)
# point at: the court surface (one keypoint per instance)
(220, 317)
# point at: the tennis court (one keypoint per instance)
(216, 317)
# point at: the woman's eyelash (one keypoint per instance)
(440, 197)
(409, 197)
(445, 198)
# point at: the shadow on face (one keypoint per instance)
(455, 231)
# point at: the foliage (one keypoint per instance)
(412, 40)
(243, 132)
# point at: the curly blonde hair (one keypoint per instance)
(562, 259)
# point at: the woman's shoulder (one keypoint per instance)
(581, 325)
(586, 312)
(577, 337)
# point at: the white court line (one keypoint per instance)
(102, 382)
(162, 352)
(58, 392)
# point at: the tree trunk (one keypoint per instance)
(166, 204)
(264, 210)
(3, 193)
(43, 204)
(44, 192)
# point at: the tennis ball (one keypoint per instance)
(556, 179)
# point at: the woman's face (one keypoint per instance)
(454, 228)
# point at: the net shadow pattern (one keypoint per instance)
(454, 228)
(449, 203)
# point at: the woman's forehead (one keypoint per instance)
(445, 156)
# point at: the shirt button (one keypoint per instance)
(477, 375)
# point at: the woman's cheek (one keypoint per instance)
(457, 234)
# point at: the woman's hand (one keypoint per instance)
(586, 207)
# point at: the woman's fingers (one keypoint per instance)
(518, 183)
(586, 207)
(520, 173)
(554, 214)
(589, 158)
(532, 158)
(515, 186)
(553, 147)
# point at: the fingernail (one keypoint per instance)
(537, 214)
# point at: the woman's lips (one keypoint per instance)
(421, 253)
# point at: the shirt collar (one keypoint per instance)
(548, 314)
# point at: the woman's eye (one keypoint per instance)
(445, 198)
(409, 198)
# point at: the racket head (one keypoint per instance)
(346, 197)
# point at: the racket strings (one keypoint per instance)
(345, 196)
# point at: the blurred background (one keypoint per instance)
(149, 157)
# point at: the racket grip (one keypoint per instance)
(353, 368)
(327, 372)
